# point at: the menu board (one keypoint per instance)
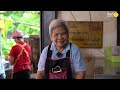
(86, 34)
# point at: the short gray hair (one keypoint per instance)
(58, 23)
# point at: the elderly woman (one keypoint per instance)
(61, 59)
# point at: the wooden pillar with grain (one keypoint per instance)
(34, 42)
(47, 17)
(35, 46)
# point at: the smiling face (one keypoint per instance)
(59, 37)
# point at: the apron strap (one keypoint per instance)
(68, 52)
(68, 57)
(23, 49)
(49, 54)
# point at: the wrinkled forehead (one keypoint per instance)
(59, 30)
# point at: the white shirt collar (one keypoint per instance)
(53, 48)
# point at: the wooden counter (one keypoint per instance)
(105, 69)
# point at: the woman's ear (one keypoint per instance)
(51, 38)
(68, 35)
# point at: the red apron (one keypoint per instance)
(58, 69)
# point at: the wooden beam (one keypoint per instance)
(118, 29)
(47, 17)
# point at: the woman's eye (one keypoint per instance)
(63, 33)
(56, 35)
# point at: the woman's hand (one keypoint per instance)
(6, 58)
(9, 58)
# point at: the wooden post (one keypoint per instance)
(47, 17)
(118, 29)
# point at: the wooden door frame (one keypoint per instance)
(46, 18)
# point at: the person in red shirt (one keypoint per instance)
(19, 56)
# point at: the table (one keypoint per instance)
(105, 69)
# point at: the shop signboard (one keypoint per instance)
(87, 34)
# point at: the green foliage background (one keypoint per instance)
(27, 21)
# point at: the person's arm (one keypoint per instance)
(41, 64)
(78, 63)
(10, 59)
(39, 75)
(80, 75)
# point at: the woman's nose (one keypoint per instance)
(59, 36)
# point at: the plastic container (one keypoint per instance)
(112, 53)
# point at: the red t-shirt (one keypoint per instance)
(24, 61)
